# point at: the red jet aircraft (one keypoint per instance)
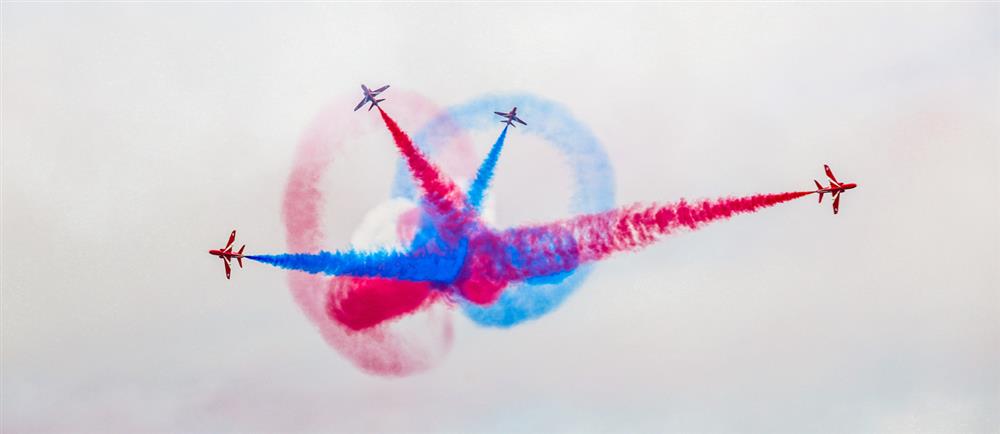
(226, 254)
(835, 188)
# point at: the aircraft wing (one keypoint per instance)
(836, 202)
(829, 174)
(360, 104)
(232, 237)
(229, 270)
(519, 120)
(376, 91)
(501, 113)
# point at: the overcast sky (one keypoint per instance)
(136, 136)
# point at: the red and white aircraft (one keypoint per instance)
(835, 188)
(226, 254)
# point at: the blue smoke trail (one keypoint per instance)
(485, 173)
(477, 191)
(593, 192)
(413, 266)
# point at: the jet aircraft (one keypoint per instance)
(510, 117)
(227, 254)
(835, 188)
(370, 96)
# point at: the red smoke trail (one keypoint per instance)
(636, 226)
(448, 202)
(360, 303)
(496, 259)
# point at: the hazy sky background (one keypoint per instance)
(134, 137)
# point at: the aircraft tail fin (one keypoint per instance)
(819, 187)
(239, 258)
